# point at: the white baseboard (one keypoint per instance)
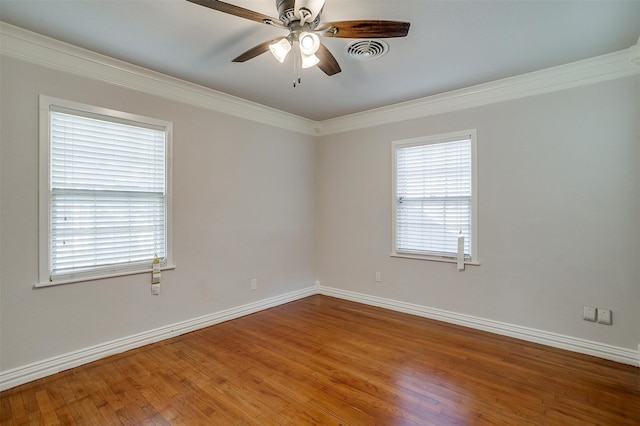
(39, 369)
(574, 344)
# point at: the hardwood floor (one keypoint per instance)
(327, 361)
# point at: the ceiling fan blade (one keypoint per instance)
(328, 63)
(365, 29)
(256, 51)
(236, 11)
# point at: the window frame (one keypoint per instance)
(427, 140)
(46, 105)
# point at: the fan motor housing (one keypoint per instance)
(286, 13)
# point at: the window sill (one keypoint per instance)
(433, 258)
(100, 277)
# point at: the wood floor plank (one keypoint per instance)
(325, 361)
(47, 411)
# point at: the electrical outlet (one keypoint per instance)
(589, 313)
(254, 283)
(378, 277)
(604, 316)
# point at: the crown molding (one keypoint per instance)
(51, 53)
(35, 48)
(601, 68)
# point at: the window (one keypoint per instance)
(434, 199)
(105, 192)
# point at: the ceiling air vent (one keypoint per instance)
(365, 50)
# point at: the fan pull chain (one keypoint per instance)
(297, 65)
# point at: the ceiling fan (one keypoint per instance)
(302, 19)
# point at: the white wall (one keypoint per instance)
(243, 208)
(559, 198)
(559, 202)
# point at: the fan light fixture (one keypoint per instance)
(309, 43)
(309, 61)
(280, 49)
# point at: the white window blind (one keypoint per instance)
(434, 201)
(107, 200)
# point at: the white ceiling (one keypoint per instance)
(451, 44)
